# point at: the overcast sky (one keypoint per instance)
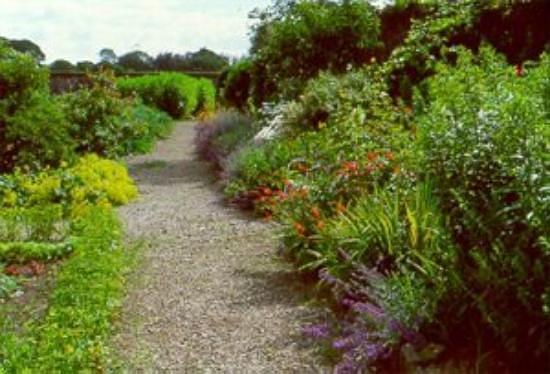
(77, 29)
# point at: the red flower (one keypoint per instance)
(519, 70)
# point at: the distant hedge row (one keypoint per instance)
(177, 94)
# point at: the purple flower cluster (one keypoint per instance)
(317, 331)
(367, 334)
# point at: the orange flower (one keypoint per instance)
(315, 212)
(266, 191)
(372, 156)
(340, 208)
(320, 225)
(300, 229)
(389, 155)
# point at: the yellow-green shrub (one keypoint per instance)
(91, 181)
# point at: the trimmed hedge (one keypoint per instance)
(177, 94)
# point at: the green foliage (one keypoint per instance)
(100, 118)
(38, 223)
(133, 61)
(331, 98)
(484, 139)
(153, 124)
(33, 129)
(74, 334)
(293, 42)
(235, 84)
(91, 181)
(25, 46)
(177, 94)
(206, 96)
(8, 285)
(62, 65)
(38, 130)
(447, 198)
(23, 252)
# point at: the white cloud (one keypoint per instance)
(77, 30)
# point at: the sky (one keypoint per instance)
(77, 30)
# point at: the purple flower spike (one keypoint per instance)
(319, 331)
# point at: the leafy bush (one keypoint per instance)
(152, 124)
(293, 41)
(91, 181)
(206, 97)
(106, 124)
(484, 139)
(235, 84)
(33, 129)
(176, 94)
(331, 98)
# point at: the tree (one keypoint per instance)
(62, 65)
(136, 61)
(206, 60)
(85, 66)
(26, 46)
(107, 55)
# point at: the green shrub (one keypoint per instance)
(236, 83)
(176, 94)
(90, 181)
(101, 119)
(331, 98)
(33, 129)
(293, 41)
(483, 135)
(153, 124)
(206, 97)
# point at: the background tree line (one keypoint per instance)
(134, 61)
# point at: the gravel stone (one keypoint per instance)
(210, 295)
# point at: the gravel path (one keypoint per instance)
(210, 295)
